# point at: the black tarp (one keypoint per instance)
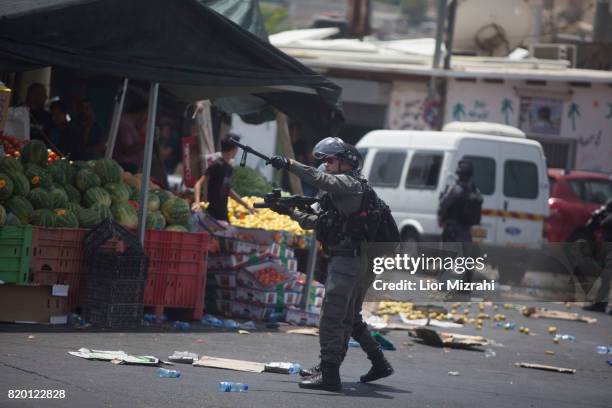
(194, 51)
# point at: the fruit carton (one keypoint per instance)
(289, 263)
(292, 298)
(220, 263)
(225, 294)
(301, 318)
(226, 279)
(224, 307)
(251, 311)
(265, 275)
(239, 260)
(258, 296)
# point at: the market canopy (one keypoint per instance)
(192, 50)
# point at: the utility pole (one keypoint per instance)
(358, 18)
(602, 21)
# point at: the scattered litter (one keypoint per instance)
(117, 357)
(453, 340)
(244, 332)
(552, 330)
(564, 337)
(490, 353)
(549, 352)
(524, 330)
(165, 373)
(210, 320)
(542, 313)
(376, 322)
(282, 368)
(429, 322)
(604, 350)
(250, 325)
(227, 386)
(181, 325)
(31, 337)
(229, 364)
(200, 341)
(310, 331)
(453, 373)
(230, 324)
(353, 343)
(183, 357)
(610, 362)
(384, 343)
(546, 368)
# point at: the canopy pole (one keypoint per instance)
(286, 148)
(117, 111)
(310, 267)
(146, 165)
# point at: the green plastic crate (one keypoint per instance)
(15, 252)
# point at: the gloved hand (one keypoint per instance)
(279, 162)
(281, 209)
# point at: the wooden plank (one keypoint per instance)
(546, 368)
(560, 315)
(229, 364)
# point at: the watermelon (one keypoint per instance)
(2, 215)
(134, 192)
(20, 207)
(65, 218)
(175, 227)
(12, 220)
(40, 198)
(57, 170)
(153, 203)
(155, 221)
(96, 195)
(88, 217)
(108, 170)
(74, 207)
(59, 198)
(176, 211)
(163, 196)
(102, 210)
(86, 179)
(6, 187)
(35, 152)
(118, 192)
(73, 194)
(38, 176)
(125, 215)
(10, 165)
(71, 171)
(43, 218)
(21, 184)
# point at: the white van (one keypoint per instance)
(410, 169)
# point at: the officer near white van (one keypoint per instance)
(347, 282)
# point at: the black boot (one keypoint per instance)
(596, 307)
(307, 372)
(381, 368)
(327, 379)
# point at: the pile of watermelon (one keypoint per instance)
(66, 194)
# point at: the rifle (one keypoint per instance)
(246, 150)
(274, 199)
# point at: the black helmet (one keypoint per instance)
(465, 170)
(334, 146)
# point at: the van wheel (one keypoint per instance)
(410, 241)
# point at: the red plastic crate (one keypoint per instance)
(177, 270)
(58, 258)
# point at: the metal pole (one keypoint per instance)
(112, 135)
(601, 20)
(439, 33)
(450, 33)
(146, 165)
(310, 267)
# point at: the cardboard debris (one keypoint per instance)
(546, 368)
(229, 364)
(541, 313)
(116, 357)
(400, 326)
(429, 322)
(453, 340)
(310, 331)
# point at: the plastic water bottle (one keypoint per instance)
(510, 326)
(283, 368)
(247, 325)
(228, 386)
(210, 320)
(148, 317)
(164, 373)
(230, 324)
(566, 337)
(353, 343)
(181, 325)
(604, 350)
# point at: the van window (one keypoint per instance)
(387, 169)
(520, 179)
(596, 191)
(424, 170)
(484, 173)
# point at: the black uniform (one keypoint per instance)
(601, 220)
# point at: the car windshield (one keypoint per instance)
(596, 191)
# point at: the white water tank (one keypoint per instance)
(491, 27)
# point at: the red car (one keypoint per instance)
(574, 195)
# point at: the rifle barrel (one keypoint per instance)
(249, 149)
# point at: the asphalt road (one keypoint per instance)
(421, 378)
